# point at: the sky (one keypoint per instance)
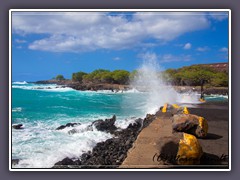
(45, 44)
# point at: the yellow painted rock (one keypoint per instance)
(202, 128)
(174, 109)
(202, 100)
(189, 123)
(165, 108)
(189, 150)
(185, 110)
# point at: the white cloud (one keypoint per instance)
(20, 41)
(86, 31)
(203, 49)
(116, 58)
(218, 16)
(19, 47)
(224, 49)
(187, 46)
(166, 58)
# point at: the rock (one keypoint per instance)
(191, 124)
(65, 161)
(67, 125)
(189, 150)
(17, 126)
(107, 125)
(112, 152)
(15, 161)
(73, 131)
(172, 109)
(85, 157)
(202, 128)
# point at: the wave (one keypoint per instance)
(20, 82)
(51, 88)
(114, 91)
(17, 109)
(42, 141)
(216, 96)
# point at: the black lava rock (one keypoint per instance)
(68, 125)
(17, 126)
(106, 126)
(15, 161)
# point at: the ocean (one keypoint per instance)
(43, 108)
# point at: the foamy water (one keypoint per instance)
(41, 110)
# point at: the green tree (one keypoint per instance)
(59, 77)
(96, 76)
(78, 76)
(220, 79)
(121, 76)
(194, 76)
(106, 77)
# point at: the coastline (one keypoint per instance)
(114, 152)
(124, 87)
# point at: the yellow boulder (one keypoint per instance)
(189, 150)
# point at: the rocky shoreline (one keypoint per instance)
(112, 152)
(121, 87)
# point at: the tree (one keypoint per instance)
(59, 77)
(97, 76)
(78, 76)
(121, 76)
(194, 76)
(220, 79)
(106, 77)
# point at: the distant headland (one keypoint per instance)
(214, 77)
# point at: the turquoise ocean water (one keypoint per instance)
(43, 108)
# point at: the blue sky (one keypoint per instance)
(45, 44)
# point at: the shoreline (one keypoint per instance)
(122, 87)
(113, 152)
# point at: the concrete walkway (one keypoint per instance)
(148, 144)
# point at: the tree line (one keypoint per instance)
(194, 75)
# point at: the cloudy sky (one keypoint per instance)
(45, 44)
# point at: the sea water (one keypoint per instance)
(43, 108)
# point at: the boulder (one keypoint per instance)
(107, 125)
(15, 161)
(189, 150)
(17, 126)
(67, 163)
(191, 124)
(173, 109)
(67, 125)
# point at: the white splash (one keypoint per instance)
(149, 79)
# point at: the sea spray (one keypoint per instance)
(150, 80)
